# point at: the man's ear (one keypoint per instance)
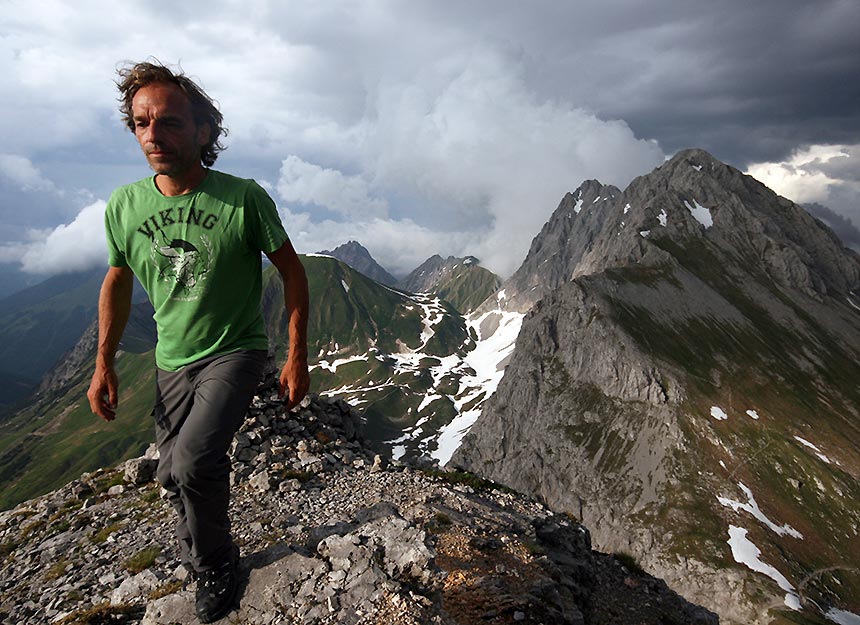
(204, 132)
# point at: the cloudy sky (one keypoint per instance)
(426, 127)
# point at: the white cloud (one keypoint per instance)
(21, 172)
(471, 157)
(69, 247)
(399, 245)
(461, 126)
(828, 174)
(307, 183)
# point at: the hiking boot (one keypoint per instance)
(216, 591)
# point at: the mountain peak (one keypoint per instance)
(691, 200)
(460, 281)
(358, 257)
(691, 344)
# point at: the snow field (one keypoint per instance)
(842, 617)
(751, 506)
(485, 361)
(745, 552)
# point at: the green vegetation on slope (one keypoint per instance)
(55, 439)
(46, 446)
(468, 287)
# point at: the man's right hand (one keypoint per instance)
(103, 393)
(114, 307)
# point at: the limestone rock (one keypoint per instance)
(344, 545)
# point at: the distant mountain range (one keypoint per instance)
(674, 364)
(462, 282)
(399, 357)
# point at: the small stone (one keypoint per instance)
(138, 586)
(379, 464)
(115, 491)
(260, 481)
(140, 470)
(519, 616)
(290, 486)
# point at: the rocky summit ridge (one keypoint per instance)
(685, 384)
(329, 533)
(358, 257)
(461, 281)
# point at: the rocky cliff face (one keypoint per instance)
(686, 387)
(356, 256)
(328, 534)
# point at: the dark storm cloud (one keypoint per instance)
(432, 116)
(748, 81)
(843, 167)
(844, 228)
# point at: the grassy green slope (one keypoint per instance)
(351, 316)
(38, 325)
(802, 382)
(54, 440)
(468, 287)
(46, 446)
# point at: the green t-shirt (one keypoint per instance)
(198, 257)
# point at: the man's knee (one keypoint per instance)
(200, 472)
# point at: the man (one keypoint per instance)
(193, 237)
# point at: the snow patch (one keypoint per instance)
(842, 617)
(488, 361)
(345, 286)
(814, 448)
(852, 303)
(332, 366)
(753, 414)
(745, 552)
(428, 399)
(644, 233)
(627, 209)
(578, 206)
(697, 167)
(718, 413)
(663, 218)
(751, 506)
(702, 214)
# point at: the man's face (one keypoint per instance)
(165, 128)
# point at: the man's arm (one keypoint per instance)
(114, 308)
(294, 376)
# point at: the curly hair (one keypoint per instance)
(135, 76)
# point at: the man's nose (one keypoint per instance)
(153, 132)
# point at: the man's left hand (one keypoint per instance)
(295, 381)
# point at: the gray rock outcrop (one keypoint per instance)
(688, 338)
(328, 534)
(356, 256)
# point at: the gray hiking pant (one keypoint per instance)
(197, 411)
